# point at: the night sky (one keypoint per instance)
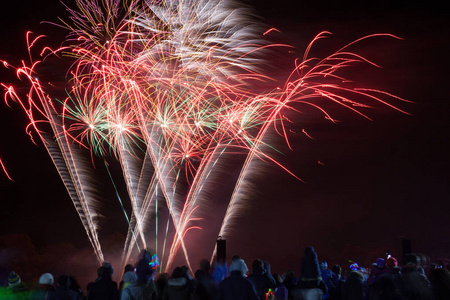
(367, 184)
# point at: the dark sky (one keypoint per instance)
(377, 181)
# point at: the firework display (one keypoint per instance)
(169, 89)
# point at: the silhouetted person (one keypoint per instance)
(236, 286)
(219, 272)
(281, 292)
(415, 284)
(74, 286)
(44, 289)
(310, 285)
(338, 282)
(207, 288)
(205, 266)
(261, 280)
(16, 289)
(161, 283)
(354, 286)
(144, 288)
(179, 286)
(63, 292)
(440, 283)
(128, 268)
(326, 275)
(289, 281)
(376, 270)
(104, 288)
(388, 284)
(129, 278)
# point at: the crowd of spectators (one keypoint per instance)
(384, 280)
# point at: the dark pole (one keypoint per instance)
(406, 249)
(221, 250)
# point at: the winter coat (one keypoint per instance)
(310, 275)
(338, 283)
(307, 294)
(440, 283)
(387, 286)
(42, 292)
(262, 283)
(103, 289)
(309, 283)
(327, 275)
(18, 292)
(207, 288)
(415, 284)
(64, 293)
(354, 287)
(179, 289)
(236, 287)
(136, 291)
(281, 292)
(375, 272)
(289, 281)
(309, 267)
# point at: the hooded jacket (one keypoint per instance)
(415, 284)
(262, 283)
(236, 287)
(178, 289)
(135, 291)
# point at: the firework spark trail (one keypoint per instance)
(87, 61)
(93, 127)
(130, 220)
(170, 163)
(4, 170)
(69, 168)
(208, 164)
(126, 159)
(235, 204)
(85, 197)
(191, 202)
(95, 130)
(131, 177)
(299, 91)
(163, 168)
(147, 208)
(165, 87)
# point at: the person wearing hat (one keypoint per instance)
(17, 290)
(377, 269)
(388, 285)
(326, 275)
(311, 285)
(44, 289)
(236, 286)
(260, 279)
(140, 285)
(415, 285)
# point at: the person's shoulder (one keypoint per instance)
(113, 285)
(247, 281)
(228, 280)
(151, 285)
(72, 292)
(252, 277)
